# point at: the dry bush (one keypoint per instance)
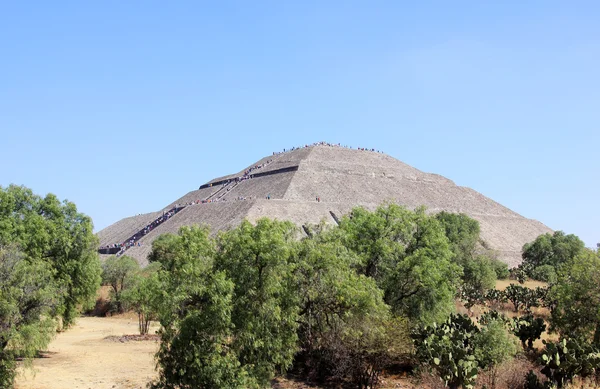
(429, 381)
(584, 383)
(510, 375)
(103, 305)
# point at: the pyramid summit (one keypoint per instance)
(321, 182)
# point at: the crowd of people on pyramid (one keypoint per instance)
(132, 240)
(326, 144)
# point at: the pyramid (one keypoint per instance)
(322, 182)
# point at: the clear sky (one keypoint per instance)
(124, 106)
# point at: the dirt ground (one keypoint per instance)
(88, 356)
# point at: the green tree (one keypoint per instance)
(479, 277)
(195, 307)
(345, 331)
(55, 232)
(462, 233)
(257, 259)
(576, 297)
(544, 273)
(551, 249)
(144, 296)
(407, 254)
(28, 299)
(162, 248)
(120, 274)
(478, 264)
(501, 269)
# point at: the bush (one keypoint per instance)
(544, 273)
(528, 329)
(569, 358)
(500, 268)
(449, 350)
(522, 297)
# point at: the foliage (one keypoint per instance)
(449, 349)
(55, 232)
(257, 259)
(27, 302)
(345, 329)
(162, 249)
(364, 347)
(520, 273)
(119, 273)
(462, 233)
(408, 255)
(544, 273)
(479, 277)
(501, 269)
(532, 381)
(195, 309)
(495, 298)
(576, 297)
(479, 269)
(568, 358)
(494, 345)
(528, 329)
(521, 297)
(144, 297)
(552, 249)
(491, 316)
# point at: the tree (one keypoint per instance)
(257, 259)
(28, 300)
(544, 273)
(345, 331)
(55, 232)
(462, 233)
(501, 269)
(551, 249)
(479, 277)
(144, 297)
(407, 254)
(576, 298)
(195, 308)
(120, 274)
(479, 264)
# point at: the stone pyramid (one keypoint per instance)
(322, 182)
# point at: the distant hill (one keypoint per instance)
(286, 186)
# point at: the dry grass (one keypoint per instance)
(532, 284)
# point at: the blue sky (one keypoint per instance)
(122, 107)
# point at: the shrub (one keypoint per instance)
(528, 329)
(501, 269)
(569, 358)
(544, 273)
(449, 350)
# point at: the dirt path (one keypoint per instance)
(82, 357)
